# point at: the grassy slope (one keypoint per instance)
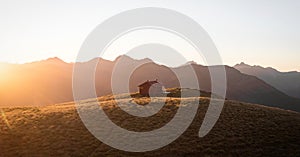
(242, 130)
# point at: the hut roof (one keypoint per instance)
(148, 83)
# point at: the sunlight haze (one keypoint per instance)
(256, 32)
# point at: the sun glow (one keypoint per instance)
(3, 67)
(3, 71)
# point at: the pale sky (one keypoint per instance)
(253, 31)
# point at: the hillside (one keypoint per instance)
(50, 81)
(242, 130)
(287, 82)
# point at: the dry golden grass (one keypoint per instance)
(242, 130)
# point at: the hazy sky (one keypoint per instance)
(253, 31)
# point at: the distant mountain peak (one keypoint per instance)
(54, 59)
(123, 57)
(254, 67)
(130, 59)
(242, 64)
(191, 62)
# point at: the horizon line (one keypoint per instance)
(112, 60)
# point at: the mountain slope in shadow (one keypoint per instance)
(287, 82)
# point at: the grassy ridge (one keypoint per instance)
(242, 130)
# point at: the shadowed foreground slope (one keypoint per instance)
(242, 130)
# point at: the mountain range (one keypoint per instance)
(287, 82)
(50, 82)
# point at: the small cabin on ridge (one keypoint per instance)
(150, 88)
